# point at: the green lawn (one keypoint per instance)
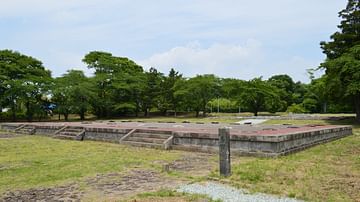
(32, 161)
(327, 172)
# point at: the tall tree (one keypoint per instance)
(285, 86)
(259, 95)
(107, 68)
(151, 93)
(25, 82)
(341, 64)
(198, 91)
(168, 100)
(73, 93)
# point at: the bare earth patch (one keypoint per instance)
(62, 193)
(192, 163)
(115, 186)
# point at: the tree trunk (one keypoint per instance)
(29, 113)
(174, 105)
(13, 114)
(197, 113)
(255, 113)
(357, 107)
(137, 110)
(66, 116)
(13, 110)
(82, 115)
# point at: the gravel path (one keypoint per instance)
(230, 194)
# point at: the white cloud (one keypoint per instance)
(230, 61)
(226, 60)
(61, 32)
(294, 66)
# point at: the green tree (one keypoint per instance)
(285, 86)
(259, 95)
(231, 88)
(129, 87)
(196, 92)
(152, 90)
(25, 82)
(342, 57)
(108, 69)
(168, 100)
(73, 93)
(343, 74)
(317, 90)
(223, 105)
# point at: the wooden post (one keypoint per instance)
(224, 151)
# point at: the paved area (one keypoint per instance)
(212, 129)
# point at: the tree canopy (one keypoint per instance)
(120, 87)
(342, 62)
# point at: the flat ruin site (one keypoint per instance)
(251, 140)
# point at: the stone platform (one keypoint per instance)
(254, 140)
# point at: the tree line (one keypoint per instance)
(120, 87)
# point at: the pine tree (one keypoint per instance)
(342, 64)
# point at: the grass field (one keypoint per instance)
(328, 172)
(31, 161)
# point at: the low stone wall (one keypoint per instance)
(264, 146)
(9, 126)
(105, 134)
(299, 141)
(243, 143)
(47, 130)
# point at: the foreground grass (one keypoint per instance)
(327, 172)
(32, 161)
(170, 196)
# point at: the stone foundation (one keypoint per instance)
(265, 140)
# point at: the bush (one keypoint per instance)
(296, 108)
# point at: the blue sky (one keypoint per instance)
(239, 39)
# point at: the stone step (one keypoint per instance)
(76, 127)
(143, 144)
(77, 130)
(26, 129)
(153, 131)
(151, 135)
(32, 127)
(24, 132)
(147, 140)
(65, 133)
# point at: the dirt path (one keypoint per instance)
(118, 186)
